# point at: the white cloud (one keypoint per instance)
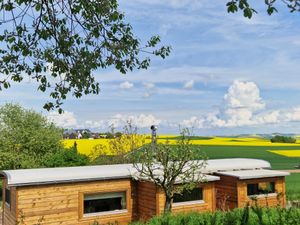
(143, 120)
(189, 84)
(294, 115)
(269, 118)
(147, 95)
(65, 120)
(242, 106)
(126, 85)
(193, 122)
(149, 85)
(244, 95)
(120, 120)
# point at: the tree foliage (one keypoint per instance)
(28, 140)
(283, 139)
(59, 44)
(171, 167)
(244, 5)
(26, 136)
(66, 157)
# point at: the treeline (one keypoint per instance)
(283, 139)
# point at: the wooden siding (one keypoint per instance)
(208, 204)
(9, 211)
(226, 193)
(262, 200)
(63, 203)
(146, 200)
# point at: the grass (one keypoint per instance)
(257, 152)
(293, 186)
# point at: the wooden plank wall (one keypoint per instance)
(263, 200)
(63, 203)
(9, 212)
(226, 193)
(209, 203)
(146, 200)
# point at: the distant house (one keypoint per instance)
(76, 133)
(82, 195)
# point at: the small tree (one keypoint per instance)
(171, 167)
(118, 147)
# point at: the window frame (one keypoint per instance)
(7, 190)
(262, 194)
(125, 211)
(192, 202)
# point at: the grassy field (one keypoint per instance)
(257, 152)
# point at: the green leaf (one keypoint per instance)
(38, 7)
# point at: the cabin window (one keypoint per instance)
(7, 196)
(195, 194)
(261, 188)
(104, 202)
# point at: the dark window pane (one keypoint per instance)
(261, 188)
(7, 196)
(186, 196)
(104, 202)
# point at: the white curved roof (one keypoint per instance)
(24, 177)
(251, 174)
(215, 165)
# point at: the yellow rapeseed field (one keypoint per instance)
(86, 146)
(287, 153)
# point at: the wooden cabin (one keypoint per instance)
(108, 194)
(241, 187)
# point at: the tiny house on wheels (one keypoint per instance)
(109, 194)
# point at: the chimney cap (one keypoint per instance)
(153, 127)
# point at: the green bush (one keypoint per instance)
(246, 216)
(282, 139)
(66, 157)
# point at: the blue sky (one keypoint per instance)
(226, 74)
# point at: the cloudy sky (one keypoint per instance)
(226, 74)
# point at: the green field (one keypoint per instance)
(256, 152)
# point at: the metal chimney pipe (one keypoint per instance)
(154, 129)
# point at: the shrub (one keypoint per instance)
(247, 216)
(66, 157)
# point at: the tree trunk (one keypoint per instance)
(168, 205)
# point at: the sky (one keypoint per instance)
(226, 74)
